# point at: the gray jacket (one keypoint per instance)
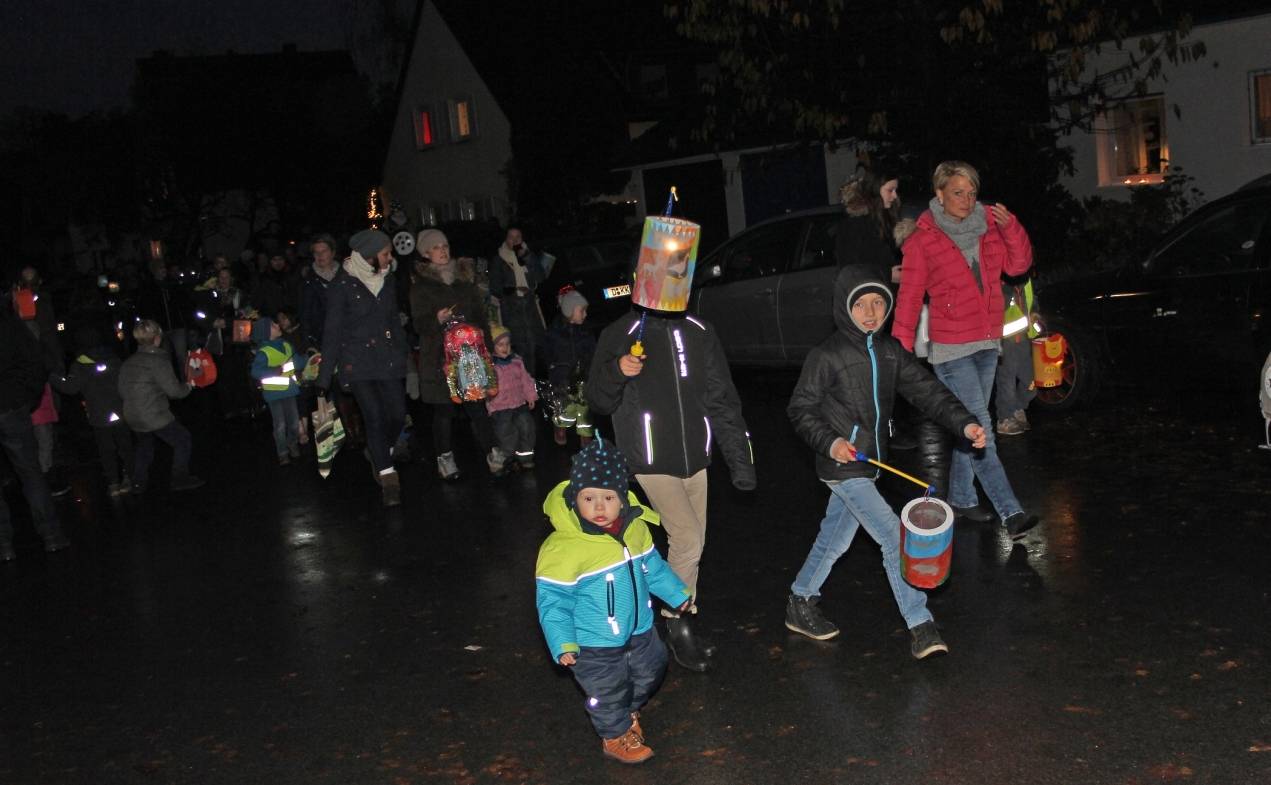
(146, 382)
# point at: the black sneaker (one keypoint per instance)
(803, 617)
(187, 483)
(1017, 525)
(7, 553)
(56, 543)
(926, 641)
(976, 514)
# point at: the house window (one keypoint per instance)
(1260, 105)
(425, 128)
(1132, 145)
(463, 121)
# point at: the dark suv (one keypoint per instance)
(1194, 309)
(768, 291)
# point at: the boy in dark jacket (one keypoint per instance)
(842, 406)
(95, 375)
(146, 383)
(569, 347)
(663, 377)
(593, 580)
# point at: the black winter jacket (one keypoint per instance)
(568, 347)
(95, 375)
(21, 369)
(849, 385)
(666, 419)
(363, 337)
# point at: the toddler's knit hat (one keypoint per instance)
(571, 300)
(598, 465)
(497, 331)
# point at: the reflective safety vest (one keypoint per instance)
(281, 360)
(1018, 321)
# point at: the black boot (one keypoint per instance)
(684, 648)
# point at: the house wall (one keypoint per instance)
(448, 172)
(1210, 138)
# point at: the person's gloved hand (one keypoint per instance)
(744, 477)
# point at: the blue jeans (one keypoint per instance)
(17, 439)
(175, 436)
(970, 379)
(383, 405)
(855, 503)
(286, 417)
(619, 680)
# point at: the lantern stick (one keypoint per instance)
(866, 459)
(670, 201)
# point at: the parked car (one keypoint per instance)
(1194, 308)
(768, 290)
(599, 267)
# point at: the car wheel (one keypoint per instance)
(1083, 372)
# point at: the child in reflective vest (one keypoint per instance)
(1014, 382)
(275, 367)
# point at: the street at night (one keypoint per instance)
(280, 628)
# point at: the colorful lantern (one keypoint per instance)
(926, 542)
(668, 254)
(1048, 360)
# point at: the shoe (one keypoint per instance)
(803, 617)
(56, 543)
(1009, 426)
(293, 450)
(627, 748)
(558, 436)
(116, 489)
(138, 488)
(495, 460)
(284, 460)
(1017, 525)
(926, 641)
(8, 554)
(187, 483)
(683, 646)
(391, 489)
(57, 486)
(446, 466)
(975, 514)
(1022, 419)
(635, 725)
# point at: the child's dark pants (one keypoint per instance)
(619, 680)
(114, 444)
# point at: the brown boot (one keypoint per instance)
(627, 748)
(391, 489)
(635, 725)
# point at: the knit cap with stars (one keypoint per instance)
(598, 465)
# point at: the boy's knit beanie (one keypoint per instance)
(598, 465)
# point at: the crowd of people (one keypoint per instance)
(388, 339)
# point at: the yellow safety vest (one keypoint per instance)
(286, 368)
(1018, 320)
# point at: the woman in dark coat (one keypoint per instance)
(363, 342)
(446, 287)
(872, 206)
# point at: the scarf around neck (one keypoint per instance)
(966, 233)
(365, 272)
(518, 269)
(328, 275)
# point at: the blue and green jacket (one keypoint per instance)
(276, 366)
(593, 589)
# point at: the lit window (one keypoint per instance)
(1132, 143)
(425, 130)
(1260, 105)
(463, 122)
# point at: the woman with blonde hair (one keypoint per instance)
(957, 257)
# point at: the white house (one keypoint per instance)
(451, 143)
(1212, 117)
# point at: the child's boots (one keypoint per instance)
(627, 748)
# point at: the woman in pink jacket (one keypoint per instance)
(957, 258)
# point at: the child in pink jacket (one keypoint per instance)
(510, 409)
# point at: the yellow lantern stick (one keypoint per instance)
(930, 489)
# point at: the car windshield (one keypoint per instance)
(1224, 239)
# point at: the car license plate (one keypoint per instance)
(618, 291)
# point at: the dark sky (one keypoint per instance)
(75, 56)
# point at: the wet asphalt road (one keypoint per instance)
(276, 628)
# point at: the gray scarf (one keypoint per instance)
(965, 234)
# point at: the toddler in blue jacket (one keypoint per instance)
(593, 580)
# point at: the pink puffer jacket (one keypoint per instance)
(960, 311)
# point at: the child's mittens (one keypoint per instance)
(744, 477)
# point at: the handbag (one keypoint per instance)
(328, 434)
